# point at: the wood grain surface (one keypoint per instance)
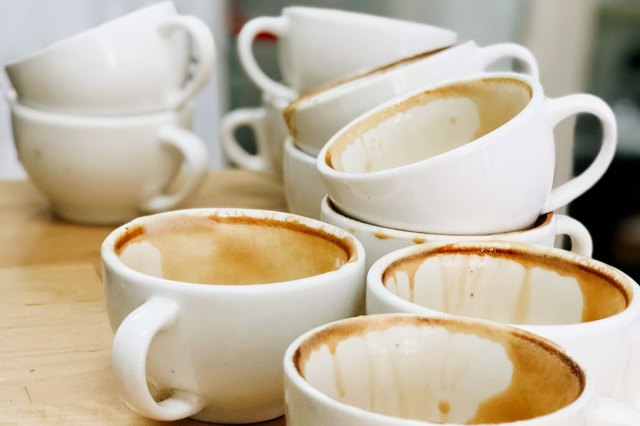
(55, 339)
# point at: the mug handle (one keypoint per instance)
(194, 155)
(581, 242)
(558, 110)
(491, 54)
(249, 117)
(129, 362)
(609, 412)
(206, 52)
(268, 24)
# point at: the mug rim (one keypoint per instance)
(625, 284)
(320, 96)
(537, 96)
(74, 38)
(329, 205)
(311, 392)
(112, 260)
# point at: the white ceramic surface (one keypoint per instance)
(315, 117)
(471, 156)
(215, 351)
(303, 186)
(400, 370)
(137, 63)
(107, 170)
(379, 241)
(269, 130)
(319, 45)
(587, 307)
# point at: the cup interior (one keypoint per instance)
(428, 124)
(439, 370)
(508, 285)
(231, 249)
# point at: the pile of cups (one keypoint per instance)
(237, 316)
(101, 119)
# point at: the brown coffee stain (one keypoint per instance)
(129, 234)
(419, 240)
(337, 376)
(524, 297)
(498, 100)
(604, 295)
(544, 378)
(381, 236)
(230, 250)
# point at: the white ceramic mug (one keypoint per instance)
(204, 303)
(135, 64)
(319, 45)
(471, 156)
(589, 308)
(406, 370)
(303, 186)
(315, 117)
(106, 170)
(269, 130)
(378, 241)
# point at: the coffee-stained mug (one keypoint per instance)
(378, 241)
(137, 63)
(316, 116)
(107, 170)
(319, 45)
(471, 156)
(269, 130)
(406, 370)
(205, 302)
(589, 308)
(303, 186)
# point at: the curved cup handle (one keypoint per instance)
(129, 362)
(581, 242)
(206, 52)
(267, 24)
(491, 54)
(194, 167)
(558, 110)
(609, 412)
(253, 118)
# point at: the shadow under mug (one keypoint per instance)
(407, 370)
(137, 63)
(589, 308)
(204, 303)
(107, 170)
(317, 45)
(379, 241)
(471, 156)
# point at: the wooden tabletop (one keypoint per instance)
(55, 340)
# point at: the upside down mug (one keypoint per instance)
(318, 45)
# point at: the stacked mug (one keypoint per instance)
(314, 46)
(101, 119)
(464, 159)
